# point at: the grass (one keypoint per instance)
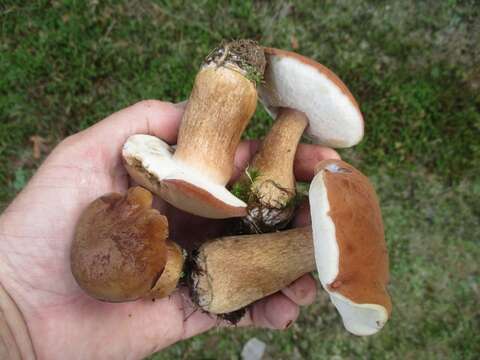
(413, 67)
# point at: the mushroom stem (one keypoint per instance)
(232, 272)
(274, 161)
(223, 99)
(273, 189)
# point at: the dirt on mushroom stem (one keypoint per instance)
(264, 216)
(271, 193)
(192, 269)
(244, 54)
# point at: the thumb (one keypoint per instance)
(103, 141)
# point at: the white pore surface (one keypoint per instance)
(156, 158)
(154, 154)
(358, 319)
(334, 120)
(324, 239)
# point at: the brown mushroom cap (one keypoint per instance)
(167, 282)
(299, 83)
(350, 248)
(119, 251)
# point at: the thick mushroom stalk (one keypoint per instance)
(121, 252)
(301, 94)
(272, 190)
(348, 247)
(222, 101)
(232, 272)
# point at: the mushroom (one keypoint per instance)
(121, 252)
(300, 93)
(234, 271)
(348, 250)
(223, 99)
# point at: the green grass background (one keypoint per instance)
(412, 65)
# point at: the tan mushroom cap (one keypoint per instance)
(120, 251)
(350, 248)
(150, 163)
(294, 81)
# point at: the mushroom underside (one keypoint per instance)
(149, 162)
(334, 119)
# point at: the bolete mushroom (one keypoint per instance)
(300, 93)
(234, 271)
(223, 99)
(121, 252)
(348, 249)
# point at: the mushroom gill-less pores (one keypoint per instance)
(223, 99)
(348, 249)
(121, 252)
(300, 93)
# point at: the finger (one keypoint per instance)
(302, 216)
(307, 157)
(274, 312)
(182, 104)
(302, 291)
(104, 140)
(245, 151)
(152, 117)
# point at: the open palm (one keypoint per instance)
(36, 232)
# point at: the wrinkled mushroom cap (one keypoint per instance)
(296, 82)
(119, 251)
(350, 248)
(149, 162)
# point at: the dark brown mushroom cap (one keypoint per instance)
(119, 251)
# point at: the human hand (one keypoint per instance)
(37, 229)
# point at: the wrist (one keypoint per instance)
(15, 342)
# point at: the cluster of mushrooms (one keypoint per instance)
(121, 251)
